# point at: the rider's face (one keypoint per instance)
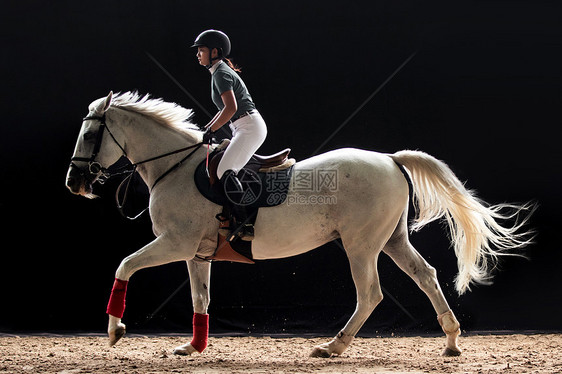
(203, 56)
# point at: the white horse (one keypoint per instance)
(368, 210)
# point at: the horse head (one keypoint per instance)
(96, 149)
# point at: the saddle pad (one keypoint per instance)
(263, 189)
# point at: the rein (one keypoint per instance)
(104, 174)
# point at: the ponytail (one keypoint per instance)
(236, 68)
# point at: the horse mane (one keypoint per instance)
(165, 113)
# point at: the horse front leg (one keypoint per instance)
(199, 277)
(162, 250)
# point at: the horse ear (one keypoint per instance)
(107, 101)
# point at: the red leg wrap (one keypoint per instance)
(200, 331)
(116, 305)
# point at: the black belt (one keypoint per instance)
(247, 113)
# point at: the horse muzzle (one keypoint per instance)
(80, 182)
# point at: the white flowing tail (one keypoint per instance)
(477, 236)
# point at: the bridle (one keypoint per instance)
(95, 169)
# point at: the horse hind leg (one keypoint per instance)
(412, 263)
(363, 265)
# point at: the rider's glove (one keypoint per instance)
(208, 136)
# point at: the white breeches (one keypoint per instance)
(248, 134)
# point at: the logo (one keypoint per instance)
(244, 188)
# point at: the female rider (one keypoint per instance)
(231, 97)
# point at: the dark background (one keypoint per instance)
(482, 92)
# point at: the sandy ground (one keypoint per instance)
(539, 353)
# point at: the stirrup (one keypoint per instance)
(244, 231)
(247, 234)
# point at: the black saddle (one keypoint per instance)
(266, 179)
(279, 160)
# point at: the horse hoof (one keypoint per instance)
(448, 352)
(185, 350)
(115, 335)
(320, 351)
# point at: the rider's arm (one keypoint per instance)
(222, 117)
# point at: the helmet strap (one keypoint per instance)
(212, 62)
(213, 59)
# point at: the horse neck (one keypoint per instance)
(144, 139)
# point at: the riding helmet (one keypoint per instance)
(214, 39)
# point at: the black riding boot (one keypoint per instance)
(234, 191)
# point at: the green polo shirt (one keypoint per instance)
(224, 79)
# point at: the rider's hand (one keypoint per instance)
(208, 135)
